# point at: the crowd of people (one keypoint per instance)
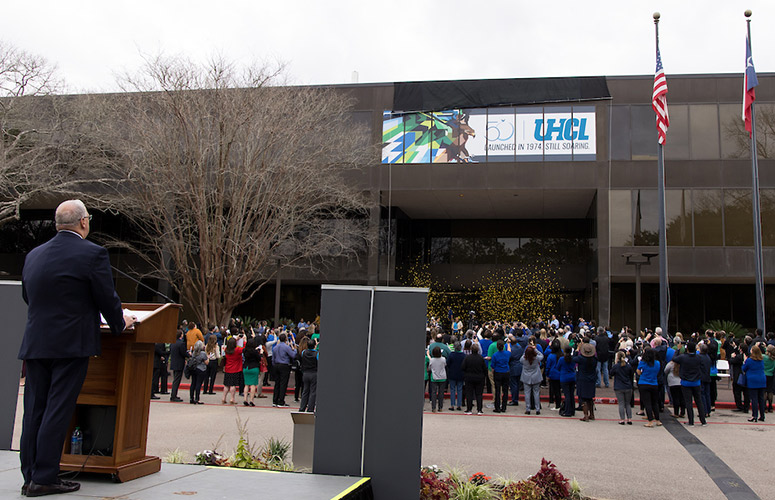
(571, 358)
(574, 358)
(250, 356)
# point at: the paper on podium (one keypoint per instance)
(140, 315)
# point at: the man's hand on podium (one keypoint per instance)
(129, 320)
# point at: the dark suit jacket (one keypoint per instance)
(67, 282)
(159, 352)
(178, 355)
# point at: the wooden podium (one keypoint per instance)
(113, 406)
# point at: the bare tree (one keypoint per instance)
(44, 153)
(228, 176)
(765, 133)
(22, 77)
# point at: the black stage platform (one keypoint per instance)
(179, 481)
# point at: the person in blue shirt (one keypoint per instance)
(648, 370)
(567, 369)
(553, 375)
(756, 381)
(283, 354)
(500, 372)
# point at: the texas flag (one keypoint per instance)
(749, 87)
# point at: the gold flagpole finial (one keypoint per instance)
(748, 13)
(656, 17)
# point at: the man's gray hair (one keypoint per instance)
(69, 212)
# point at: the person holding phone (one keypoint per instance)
(283, 354)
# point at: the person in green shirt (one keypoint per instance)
(445, 350)
(769, 371)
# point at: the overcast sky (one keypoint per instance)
(400, 40)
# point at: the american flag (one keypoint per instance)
(659, 100)
(749, 87)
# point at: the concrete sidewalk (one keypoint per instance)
(176, 480)
(610, 461)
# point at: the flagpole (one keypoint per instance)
(663, 290)
(757, 219)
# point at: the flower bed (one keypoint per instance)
(547, 484)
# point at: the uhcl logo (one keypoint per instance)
(561, 129)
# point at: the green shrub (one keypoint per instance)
(457, 476)
(174, 456)
(474, 491)
(575, 489)
(275, 450)
(730, 327)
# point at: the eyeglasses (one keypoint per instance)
(87, 217)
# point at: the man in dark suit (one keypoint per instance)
(601, 349)
(159, 368)
(67, 283)
(178, 355)
(164, 372)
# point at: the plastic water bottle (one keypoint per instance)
(76, 442)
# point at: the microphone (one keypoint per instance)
(122, 273)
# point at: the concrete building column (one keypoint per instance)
(603, 258)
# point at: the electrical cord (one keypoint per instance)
(91, 453)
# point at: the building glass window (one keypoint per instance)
(678, 217)
(678, 133)
(703, 123)
(620, 217)
(645, 217)
(734, 137)
(643, 133)
(738, 218)
(620, 133)
(462, 251)
(767, 198)
(440, 249)
(507, 250)
(486, 250)
(706, 204)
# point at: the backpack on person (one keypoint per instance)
(190, 366)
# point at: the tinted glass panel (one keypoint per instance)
(677, 147)
(707, 217)
(440, 250)
(645, 217)
(738, 221)
(678, 217)
(734, 138)
(703, 123)
(620, 132)
(768, 216)
(462, 251)
(620, 213)
(486, 250)
(507, 250)
(643, 133)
